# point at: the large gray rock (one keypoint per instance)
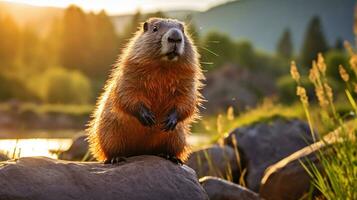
(263, 144)
(78, 150)
(219, 161)
(141, 177)
(219, 189)
(288, 179)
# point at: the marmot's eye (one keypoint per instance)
(155, 29)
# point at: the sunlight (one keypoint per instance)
(108, 5)
(125, 7)
(16, 148)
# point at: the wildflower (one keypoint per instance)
(230, 113)
(348, 48)
(294, 71)
(321, 97)
(344, 75)
(321, 64)
(219, 124)
(301, 92)
(314, 73)
(329, 91)
(353, 62)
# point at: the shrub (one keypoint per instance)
(286, 88)
(11, 88)
(216, 49)
(64, 86)
(333, 60)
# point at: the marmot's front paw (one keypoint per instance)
(173, 159)
(171, 121)
(115, 160)
(145, 116)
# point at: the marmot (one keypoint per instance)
(151, 97)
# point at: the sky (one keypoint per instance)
(127, 6)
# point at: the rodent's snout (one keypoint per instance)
(172, 44)
(175, 36)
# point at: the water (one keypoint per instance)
(15, 148)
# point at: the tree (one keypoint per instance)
(30, 47)
(244, 54)
(103, 46)
(339, 44)
(53, 42)
(284, 47)
(9, 39)
(314, 42)
(216, 50)
(75, 39)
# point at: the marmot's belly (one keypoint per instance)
(146, 142)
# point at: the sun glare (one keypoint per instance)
(109, 6)
(125, 7)
(33, 147)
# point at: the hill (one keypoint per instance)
(260, 21)
(263, 22)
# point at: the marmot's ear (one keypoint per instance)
(145, 26)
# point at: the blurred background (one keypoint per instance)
(56, 55)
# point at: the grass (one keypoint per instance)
(338, 177)
(220, 125)
(69, 109)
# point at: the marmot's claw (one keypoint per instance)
(115, 160)
(145, 116)
(173, 159)
(171, 121)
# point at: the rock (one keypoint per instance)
(229, 83)
(3, 157)
(264, 144)
(140, 177)
(214, 161)
(288, 179)
(78, 149)
(219, 189)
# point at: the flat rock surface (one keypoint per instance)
(141, 177)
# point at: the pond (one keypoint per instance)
(15, 148)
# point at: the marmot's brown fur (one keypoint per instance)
(151, 97)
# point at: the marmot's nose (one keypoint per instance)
(175, 36)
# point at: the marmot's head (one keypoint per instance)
(162, 40)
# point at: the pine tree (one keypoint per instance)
(339, 44)
(285, 47)
(75, 39)
(9, 39)
(104, 45)
(314, 42)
